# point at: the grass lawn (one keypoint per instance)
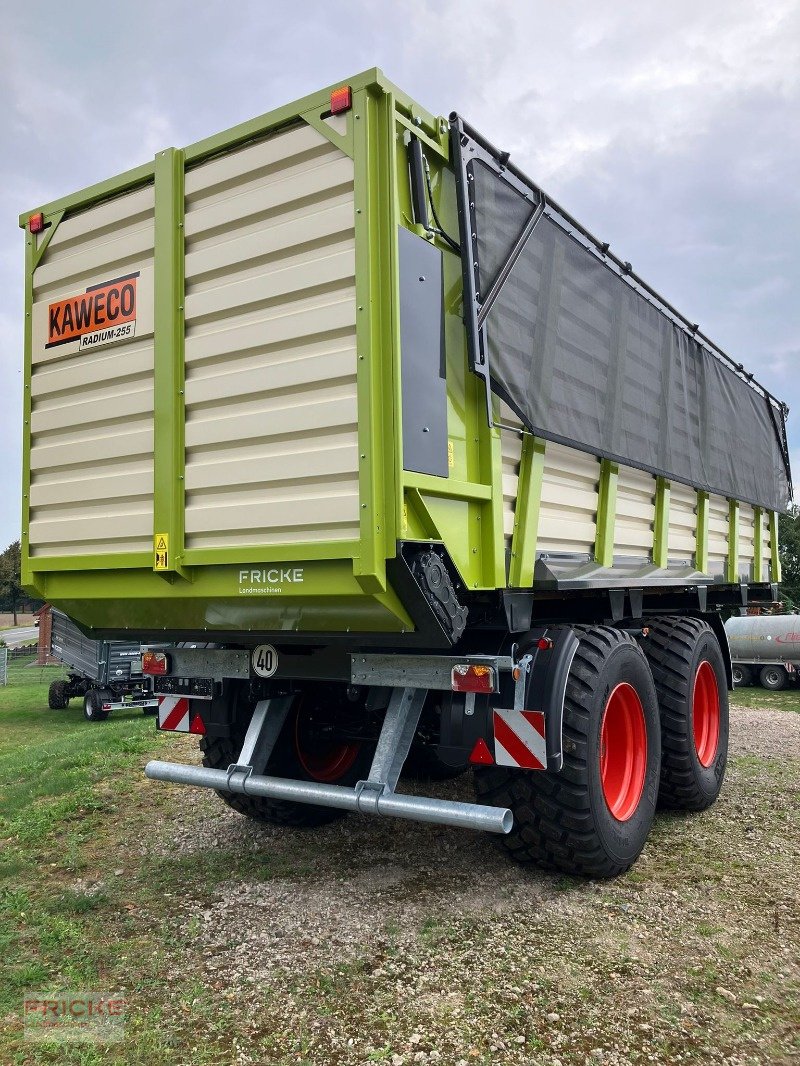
(112, 884)
(755, 696)
(71, 804)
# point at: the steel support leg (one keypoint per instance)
(394, 743)
(260, 738)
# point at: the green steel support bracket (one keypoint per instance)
(344, 142)
(701, 549)
(732, 567)
(51, 222)
(775, 558)
(758, 544)
(30, 259)
(424, 515)
(526, 513)
(661, 524)
(437, 486)
(493, 542)
(377, 334)
(168, 457)
(606, 513)
(33, 256)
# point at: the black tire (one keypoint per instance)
(57, 697)
(692, 764)
(564, 821)
(219, 753)
(742, 675)
(773, 677)
(93, 706)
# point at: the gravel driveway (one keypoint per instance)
(374, 940)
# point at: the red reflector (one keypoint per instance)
(481, 756)
(341, 100)
(197, 725)
(544, 643)
(36, 223)
(466, 678)
(154, 662)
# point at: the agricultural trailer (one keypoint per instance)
(446, 486)
(765, 649)
(106, 674)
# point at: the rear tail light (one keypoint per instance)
(36, 222)
(155, 662)
(469, 678)
(341, 100)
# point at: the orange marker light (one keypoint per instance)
(341, 100)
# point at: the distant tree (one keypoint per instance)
(11, 576)
(789, 539)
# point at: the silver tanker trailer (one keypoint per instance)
(765, 649)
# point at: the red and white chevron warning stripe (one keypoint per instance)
(519, 739)
(173, 713)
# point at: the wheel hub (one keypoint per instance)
(623, 751)
(705, 713)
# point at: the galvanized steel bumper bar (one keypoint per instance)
(376, 795)
(365, 801)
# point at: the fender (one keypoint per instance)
(552, 650)
(544, 657)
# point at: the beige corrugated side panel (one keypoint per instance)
(633, 529)
(568, 508)
(767, 567)
(747, 544)
(682, 523)
(568, 505)
(92, 408)
(271, 413)
(718, 527)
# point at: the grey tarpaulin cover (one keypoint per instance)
(586, 359)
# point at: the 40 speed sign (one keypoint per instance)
(265, 660)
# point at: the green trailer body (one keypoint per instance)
(236, 464)
(263, 412)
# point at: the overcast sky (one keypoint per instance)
(671, 130)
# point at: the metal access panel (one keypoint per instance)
(424, 386)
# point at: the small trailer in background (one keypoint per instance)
(765, 649)
(106, 673)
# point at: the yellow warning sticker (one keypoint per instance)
(161, 551)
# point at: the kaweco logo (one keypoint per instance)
(269, 582)
(101, 315)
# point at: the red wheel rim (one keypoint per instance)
(623, 751)
(323, 760)
(705, 713)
